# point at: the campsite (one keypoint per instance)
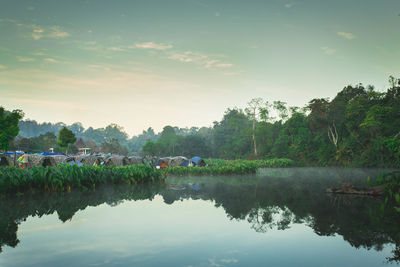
(199, 133)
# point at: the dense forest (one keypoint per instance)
(358, 127)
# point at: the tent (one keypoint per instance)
(73, 161)
(177, 161)
(40, 160)
(60, 159)
(184, 163)
(6, 160)
(161, 163)
(91, 160)
(117, 161)
(135, 160)
(198, 162)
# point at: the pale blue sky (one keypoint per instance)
(153, 63)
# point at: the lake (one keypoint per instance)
(278, 217)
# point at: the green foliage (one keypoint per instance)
(358, 127)
(8, 126)
(65, 138)
(35, 144)
(114, 147)
(391, 181)
(229, 167)
(65, 177)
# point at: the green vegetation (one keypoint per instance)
(391, 181)
(358, 127)
(65, 177)
(8, 126)
(66, 138)
(229, 167)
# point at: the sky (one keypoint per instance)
(154, 63)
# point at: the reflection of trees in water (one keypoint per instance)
(271, 203)
(17, 209)
(279, 202)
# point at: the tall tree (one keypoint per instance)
(65, 138)
(252, 111)
(9, 126)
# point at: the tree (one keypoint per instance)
(114, 147)
(65, 138)
(252, 112)
(77, 128)
(9, 126)
(231, 137)
(152, 148)
(114, 131)
(169, 139)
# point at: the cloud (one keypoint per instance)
(229, 260)
(151, 45)
(328, 50)
(217, 14)
(206, 61)
(2, 67)
(51, 60)
(114, 48)
(38, 54)
(56, 32)
(213, 262)
(37, 32)
(182, 57)
(224, 65)
(289, 5)
(346, 35)
(25, 59)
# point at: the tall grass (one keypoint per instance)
(66, 177)
(228, 167)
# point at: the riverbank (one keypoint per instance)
(65, 177)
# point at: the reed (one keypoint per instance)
(65, 177)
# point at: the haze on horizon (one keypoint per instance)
(147, 64)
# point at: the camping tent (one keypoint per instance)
(198, 162)
(117, 161)
(6, 160)
(161, 163)
(135, 160)
(91, 160)
(177, 161)
(40, 160)
(60, 159)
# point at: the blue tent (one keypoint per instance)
(50, 154)
(198, 162)
(184, 163)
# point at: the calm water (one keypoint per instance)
(279, 217)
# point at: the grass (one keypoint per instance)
(65, 178)
(229, 167)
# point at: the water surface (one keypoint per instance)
(279, 217)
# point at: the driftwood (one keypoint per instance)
(348, 189)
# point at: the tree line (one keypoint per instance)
(358, 127)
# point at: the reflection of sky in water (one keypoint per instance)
(186, 233)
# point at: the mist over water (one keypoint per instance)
(282, 217)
